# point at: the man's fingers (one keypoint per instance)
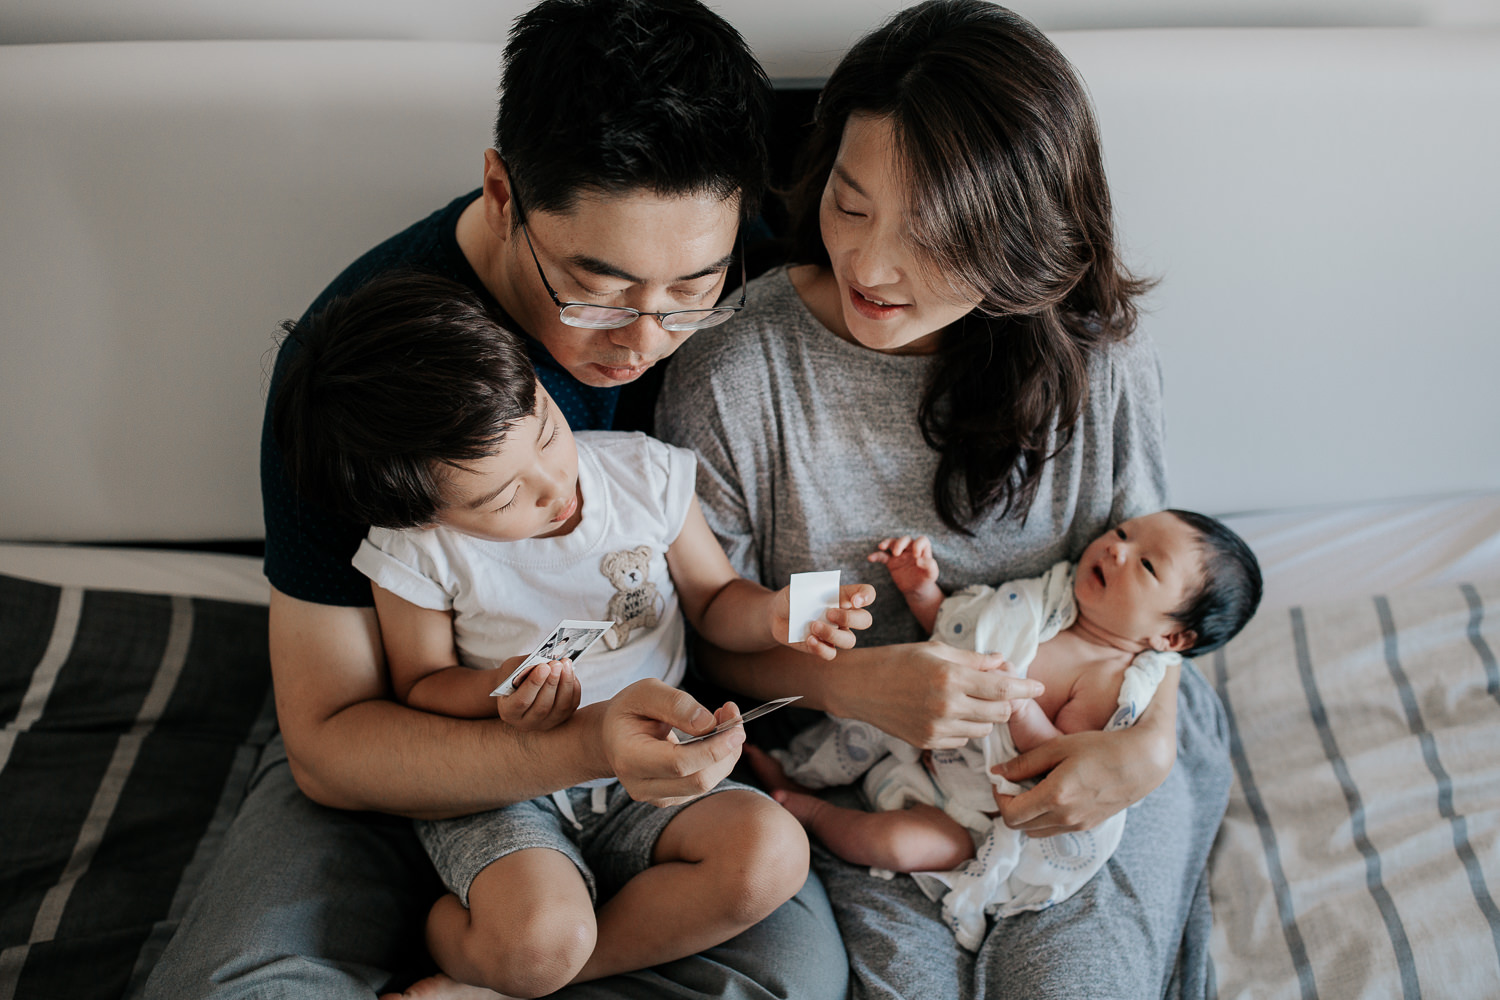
(689, 769)
(663, 703)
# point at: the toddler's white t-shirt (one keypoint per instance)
(507, 596)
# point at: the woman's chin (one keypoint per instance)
(891, 336)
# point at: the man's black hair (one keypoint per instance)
(1231, 587)
(623, 95)
(388, 386)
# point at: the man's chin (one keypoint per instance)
(606, 377)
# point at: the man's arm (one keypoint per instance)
(351, 747)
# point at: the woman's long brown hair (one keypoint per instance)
(1008, 204)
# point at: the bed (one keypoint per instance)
(163, 205)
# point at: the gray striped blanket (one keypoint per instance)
(129, 724)
(1360, 857)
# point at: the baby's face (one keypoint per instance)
(1131, 578)
(527, 489)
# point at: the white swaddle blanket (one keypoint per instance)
(1010, 872)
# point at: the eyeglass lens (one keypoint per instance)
(604, 318)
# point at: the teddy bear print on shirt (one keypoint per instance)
(637, 603)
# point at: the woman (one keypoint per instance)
(955, 356)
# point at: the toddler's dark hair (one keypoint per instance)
(1231, 586)
(385, 387)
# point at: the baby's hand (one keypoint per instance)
(910, 562)
(826, 638)
(545, 697)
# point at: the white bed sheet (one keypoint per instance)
(1306, 555)
(199, 574)
(1329, 554)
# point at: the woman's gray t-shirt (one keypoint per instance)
(810, 453)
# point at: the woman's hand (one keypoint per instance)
(649, 762)
(931, 695)
(1086, 778)
(1091, 776)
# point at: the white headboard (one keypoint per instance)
(1319, 204)
(1322, 207)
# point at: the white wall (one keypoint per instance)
(794, 38)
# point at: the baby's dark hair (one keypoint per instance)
(1231, 587)
(385, 387)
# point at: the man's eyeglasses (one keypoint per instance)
(591, 317)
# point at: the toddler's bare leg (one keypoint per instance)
(528, 930)
(722, 865)
(920, 838)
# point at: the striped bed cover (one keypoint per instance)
(129, 724)
(1360, 856)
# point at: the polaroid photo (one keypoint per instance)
(812, 594)
(738, 720)
(568, 640)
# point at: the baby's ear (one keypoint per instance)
(1176, 642)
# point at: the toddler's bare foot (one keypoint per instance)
(440, 987)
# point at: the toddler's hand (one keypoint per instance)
(909, 560)
(826, 638)
(545, 698)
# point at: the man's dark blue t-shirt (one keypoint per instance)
(308, 549)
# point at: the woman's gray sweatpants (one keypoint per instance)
(1140, 928)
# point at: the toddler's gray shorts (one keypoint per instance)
(611, 843)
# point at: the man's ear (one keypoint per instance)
(499, 207)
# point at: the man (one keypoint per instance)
(629, 148)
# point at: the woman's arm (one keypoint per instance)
(928, 694)
(1088, 777)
